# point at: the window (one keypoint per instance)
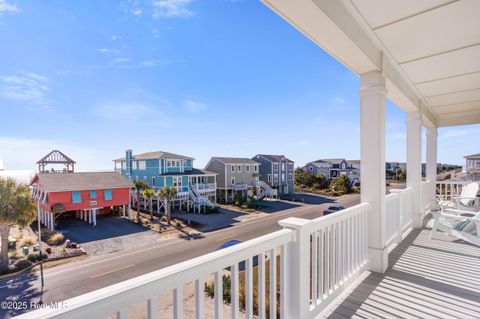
(232, 181)
(255, 168)
(290, 166)
(177, 181)
(93, 194)
(239, 168)
(310, 168)
(290, 176)
(275, 166)
(256, 179)
(153, 181)
(283, 177)
(136, 178)
(142, 165)
(269, 177)
(283, 166)
(173, 163)
(134, 164)
(76, 197)
(124, 165)
(275, 178)
(233, 168)
(107, 194)
(248, 168)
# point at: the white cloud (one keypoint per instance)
(26, 87)
(193, 106)
(115, 37)
(6, 7)
(172, 8)
(128, 63)
(137, 12)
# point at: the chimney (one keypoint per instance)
(128, 161)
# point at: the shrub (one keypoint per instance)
(209, 290)
(34, 257)
(251, 203)
(164, 219)
(56, 239)
(340, 185)
(46, 234)
(27, 242)
(177, 223)
(48, 250)
(22, 264)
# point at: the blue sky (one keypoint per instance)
(199, 78)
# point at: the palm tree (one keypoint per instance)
(16, 208)
(139, 186)
(149, 193)
(168, 194)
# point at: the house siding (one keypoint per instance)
(268, 167)
(219, 168)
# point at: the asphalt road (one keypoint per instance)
(77, 278)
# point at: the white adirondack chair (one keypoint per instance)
(459, 223)
(465, 201)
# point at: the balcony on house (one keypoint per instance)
(372, 260)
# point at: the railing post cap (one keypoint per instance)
(294, 222)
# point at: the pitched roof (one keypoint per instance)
(275, 158)
(234, 160)
(155, 155)
(473, 156)
(56, 157)
(59, 182)
(332, 160)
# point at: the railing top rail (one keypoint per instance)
(166, 279)
(392, 196)
(454, 182)
(339, 216)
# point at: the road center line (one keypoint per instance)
(112, 271)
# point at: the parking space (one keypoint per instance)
(111, 234)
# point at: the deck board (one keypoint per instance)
(427, 278)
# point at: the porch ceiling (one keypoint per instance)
(429, 50)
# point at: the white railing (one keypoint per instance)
(269, 191)
(300, 269)
(399, 214)
(339, 253)
(425, 196)
(393, 217)
(448, 190)
(205, 187)
(239, 186)
(117, 299)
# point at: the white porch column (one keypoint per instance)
(414, 164)
(90, 211)
(372, 131)
(95, 211)
(123, 211)
(52, 222)
(432, 161)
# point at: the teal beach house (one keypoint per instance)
(159, 169)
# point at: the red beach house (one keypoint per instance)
(87, 194)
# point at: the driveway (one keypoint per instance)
(111, 234)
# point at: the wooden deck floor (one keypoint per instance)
(426, 278)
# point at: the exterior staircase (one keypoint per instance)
(198, 199)
(267, 190)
